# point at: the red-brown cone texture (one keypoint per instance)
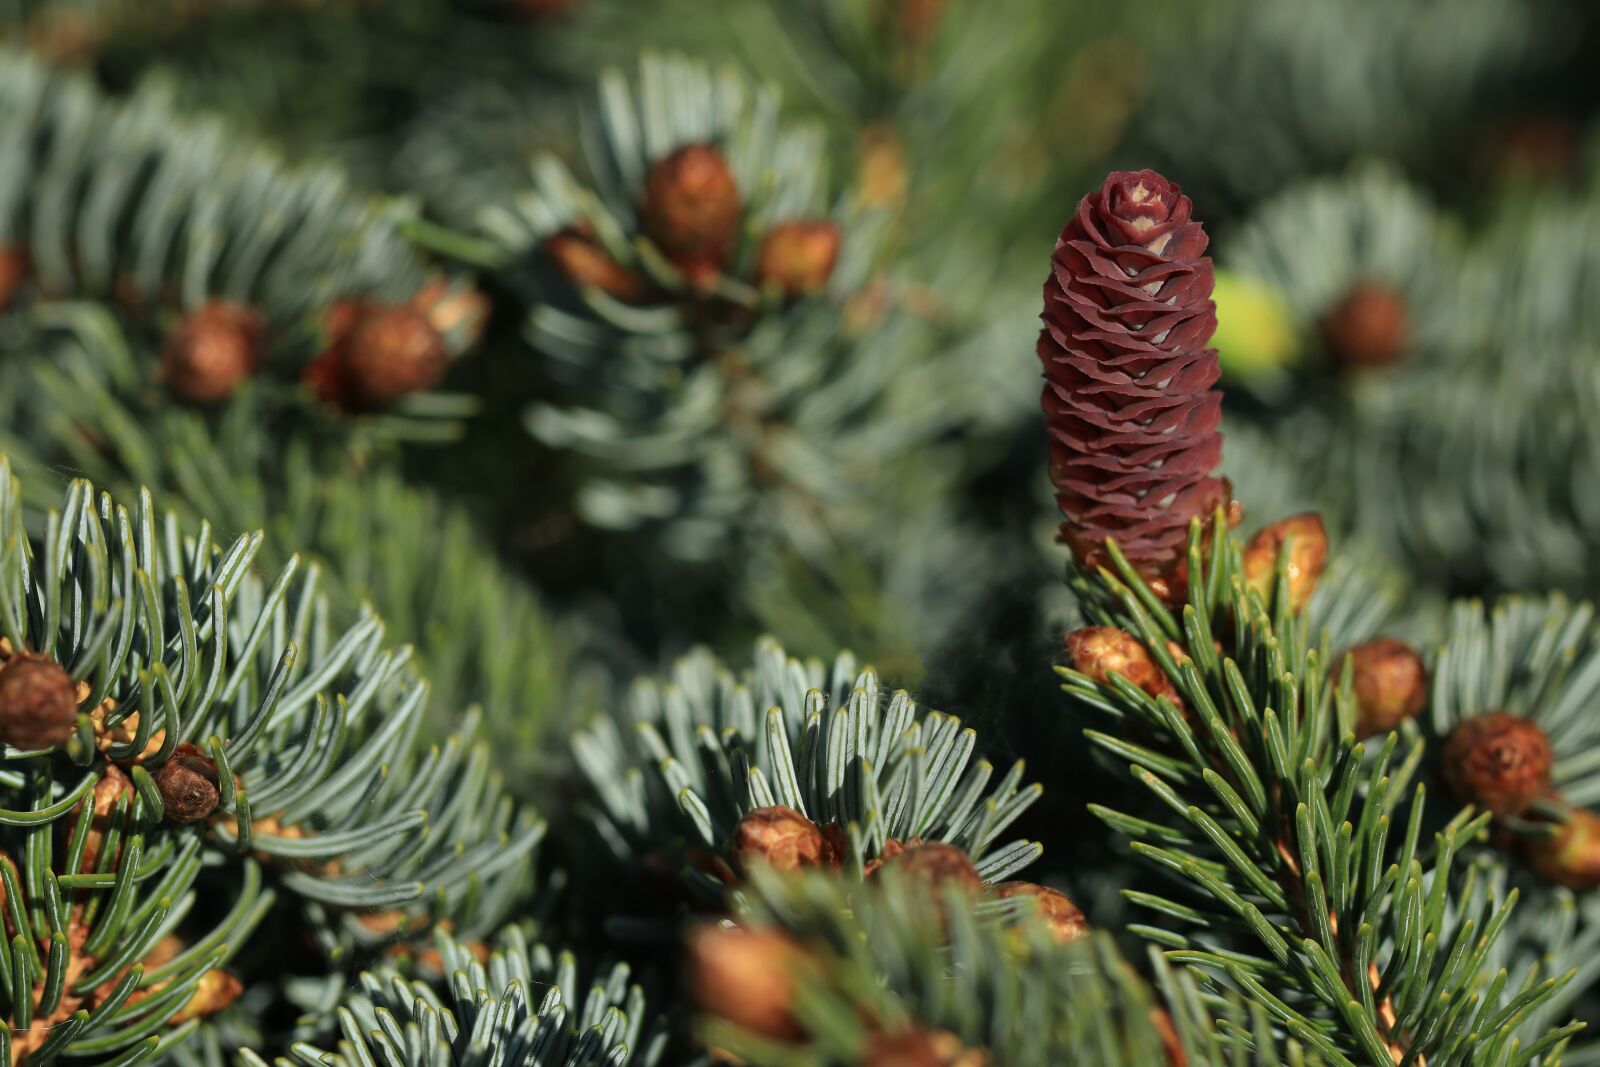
(1127, 399)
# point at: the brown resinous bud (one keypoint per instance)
(1063, 918)
(797, 258)
(1368, 328)
(215, 991)
(692, 210)
(1571, 855)
(581, 259)
(780, 838)
(1308, 555)
(1498, 761)
(189, 784)
(38, 702)
(746, 977)
(936, 863)
(393, 352)
(1390, 684)
(1100, 651)
(212, 352)
(376, 354)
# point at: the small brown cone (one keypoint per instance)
(1369, 327)
(38, 702)
(1571, 856)
(921, 1048)
(1390, 684)
(189, 784)
(13, 268)
(797, 258)
(214, 350)
(1308, 555)
(780, 838)
(393, 352)
(375, 354)
(589, 266)
(746, 977)
(1100, 651)
(938, 864)
(1498, 761)
(1060, 915)
(692, 210)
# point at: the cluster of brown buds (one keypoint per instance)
(693, 212)
(1503, 763)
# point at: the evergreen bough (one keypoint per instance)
(692, 755)
(325, 795)
(131, 201)
(706, 411)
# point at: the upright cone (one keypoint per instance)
(1127, 399)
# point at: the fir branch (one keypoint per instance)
(1278, 831)
(719, 401)
(312, 730)
(331, 499)
(108, 193)
(134, 202)
(897, 967)
(1391, 438)
(516, 1003)
(1370, 229)
(692, 756)
(106, 961)
(1538, 658)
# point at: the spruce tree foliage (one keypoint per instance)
(131, 202)
(522, 1004)
(1487, 497)
(892, 967)
(177, 653)
(704, 405)
(1297, 859)
(729, 420)
(323, 489)
(829, 742)
(294, 669)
